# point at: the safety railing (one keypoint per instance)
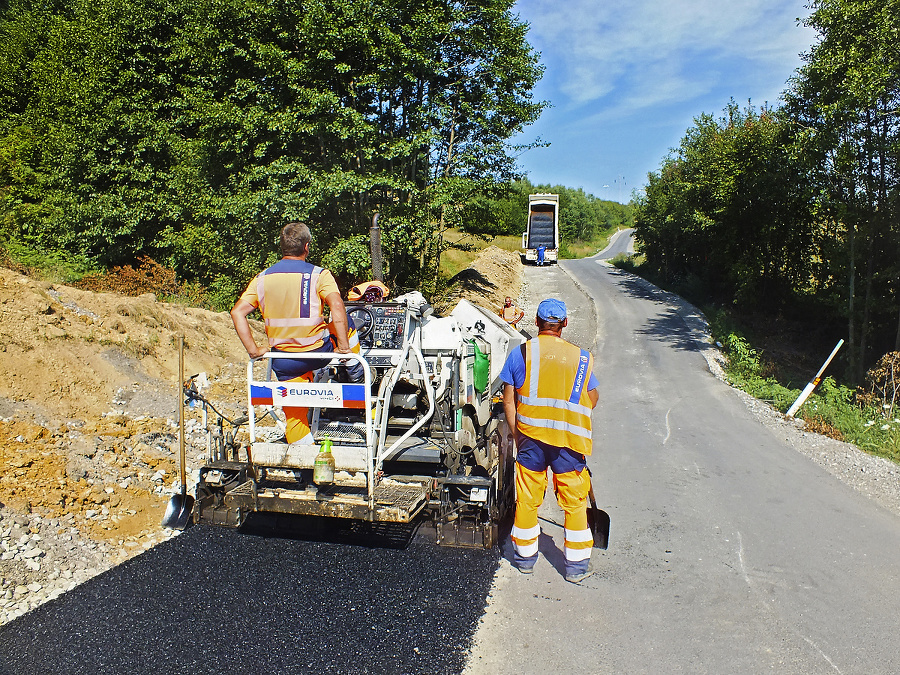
(298, 393)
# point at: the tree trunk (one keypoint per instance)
(851, 300)
(897, 339)
(867, 308)
(375, 249)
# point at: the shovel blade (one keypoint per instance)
(598, 521)
(178, 512)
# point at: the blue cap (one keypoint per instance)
(552, 310)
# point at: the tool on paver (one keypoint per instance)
(181, 505)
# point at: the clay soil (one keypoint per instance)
(88, 401)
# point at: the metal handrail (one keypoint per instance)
(323, 356)
(424, 418)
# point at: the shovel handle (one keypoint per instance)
(181, 451)
(591, 489)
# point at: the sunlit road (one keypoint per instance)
(730, 552)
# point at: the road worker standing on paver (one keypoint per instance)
(510, 312)
(290, 295)
(550, 390)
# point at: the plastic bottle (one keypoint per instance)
(323, 468)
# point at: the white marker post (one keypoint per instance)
(808, 389)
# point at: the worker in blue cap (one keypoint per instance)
(549, 392)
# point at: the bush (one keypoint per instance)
(150, 277)
(742, 358)
(56, 266)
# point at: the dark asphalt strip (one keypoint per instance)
(219, 601)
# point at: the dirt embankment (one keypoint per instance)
(88, 398)
(494, 275)
(88, 411)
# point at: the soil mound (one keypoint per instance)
(88, 403)
(494, 275)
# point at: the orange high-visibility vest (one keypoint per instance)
(553, 405)
(293, 317)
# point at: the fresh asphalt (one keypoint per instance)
(217, 601)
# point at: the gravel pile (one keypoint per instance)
(42, 558)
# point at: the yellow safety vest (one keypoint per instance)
(295, 323)
(553, 404)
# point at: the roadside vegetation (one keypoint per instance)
(783, 224)
(188, 133)
(773, 359)
(191, 132)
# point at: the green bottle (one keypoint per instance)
(323, 468)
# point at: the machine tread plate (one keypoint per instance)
(342, 433)
(394, 501)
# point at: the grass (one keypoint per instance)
(50, 266)
(455, 260)
(832, 410)
(586, 248)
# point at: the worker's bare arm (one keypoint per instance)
(594, 395)
(509, 405)
(339, 319)
(239, 314)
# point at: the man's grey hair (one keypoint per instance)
(295, 237)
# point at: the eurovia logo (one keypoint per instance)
(323, 393)
(584, 359)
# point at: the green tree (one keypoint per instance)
(192, 131)
(731, 209)
(844, 102)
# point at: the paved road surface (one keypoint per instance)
(620, 243)
(215, 601)
(730, 552)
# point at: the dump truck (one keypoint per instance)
(542, 228)
(421, 440)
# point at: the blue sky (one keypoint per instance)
(626, 79)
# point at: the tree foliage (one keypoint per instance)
(800, 203)
(730, 208)
(582, 216)
(845, 103)
(191, 131)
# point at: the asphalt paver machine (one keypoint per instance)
(421, 440)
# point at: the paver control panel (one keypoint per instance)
(380, 325)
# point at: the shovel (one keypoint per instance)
(598, 521)
(180, 506)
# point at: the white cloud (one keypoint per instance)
(632, 55)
